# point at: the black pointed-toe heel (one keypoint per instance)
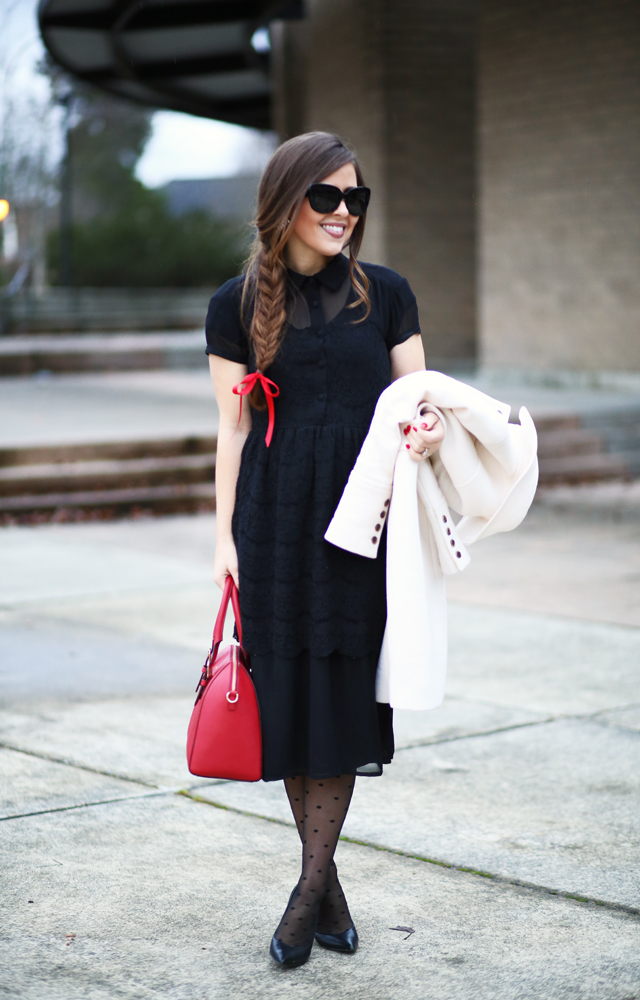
(288, 955)
(346, 941)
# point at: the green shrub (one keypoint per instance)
(142, 245)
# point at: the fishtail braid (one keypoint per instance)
(269, 312)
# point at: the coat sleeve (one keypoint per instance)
(359, 519)
(360, 516)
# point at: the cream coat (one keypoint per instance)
(486, 471)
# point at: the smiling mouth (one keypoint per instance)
(334, 229)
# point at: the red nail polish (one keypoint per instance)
(406, 430)
(407, 446)
(415, 429)
(424, 427)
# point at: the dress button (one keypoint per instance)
(383, 513)
(459, 554)
(386, 503)
(378, 526)
(452, 542)
(320, 364)
(444, 519)
(321, 396)
(314, 303)
(448, 531)
(374, 539)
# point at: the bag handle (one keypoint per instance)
(230, 592)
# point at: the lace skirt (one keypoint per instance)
(313, 615)
(319, 716)
(298, 592)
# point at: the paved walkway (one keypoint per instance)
(504, 836)
(67, 409)
(45, 354)
(74, 409)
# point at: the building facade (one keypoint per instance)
(502, 143)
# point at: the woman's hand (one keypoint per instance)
(225, 562)
(423, 436)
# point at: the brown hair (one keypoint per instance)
(295, 165)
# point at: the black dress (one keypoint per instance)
(313, 615)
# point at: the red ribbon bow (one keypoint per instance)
(270, 390)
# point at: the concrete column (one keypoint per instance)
(345, 94)
(288, 77)
(395, 78)
(430, 139)
(328, 75)
(559, 184)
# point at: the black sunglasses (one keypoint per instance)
(325, 198)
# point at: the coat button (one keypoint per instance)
(321, 396)
(383, 513)
(444, 519)
(452, 542)
(459, 554)
(378, 526)
(448, 531)
(320, 364)
(374, 539)
(386, 503)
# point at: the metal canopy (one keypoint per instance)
(188, 55)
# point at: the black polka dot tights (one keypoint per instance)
(319, 808)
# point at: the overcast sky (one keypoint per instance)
(181, 146)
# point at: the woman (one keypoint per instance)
(330, 334)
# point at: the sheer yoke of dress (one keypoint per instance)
(307, 606)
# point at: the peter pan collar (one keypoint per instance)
(332, 276)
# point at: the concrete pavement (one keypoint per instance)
(127, 877)
(74, 409)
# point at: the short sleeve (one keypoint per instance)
(226, 335)
(403, 315)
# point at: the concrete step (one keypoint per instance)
(570, 441)
(101, 352)
(547, 423)
(177, 499)
(84, 309)
(102, 475)
(107, 479)
(118, 478)
(104, 450)
(583, 468)
(589, 446)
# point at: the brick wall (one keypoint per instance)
(559, 184)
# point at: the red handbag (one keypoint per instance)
(224, 739)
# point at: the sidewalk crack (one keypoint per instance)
(632, 911)
(41, 755)
(577, 716)
(433, 740)
(87, 805)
